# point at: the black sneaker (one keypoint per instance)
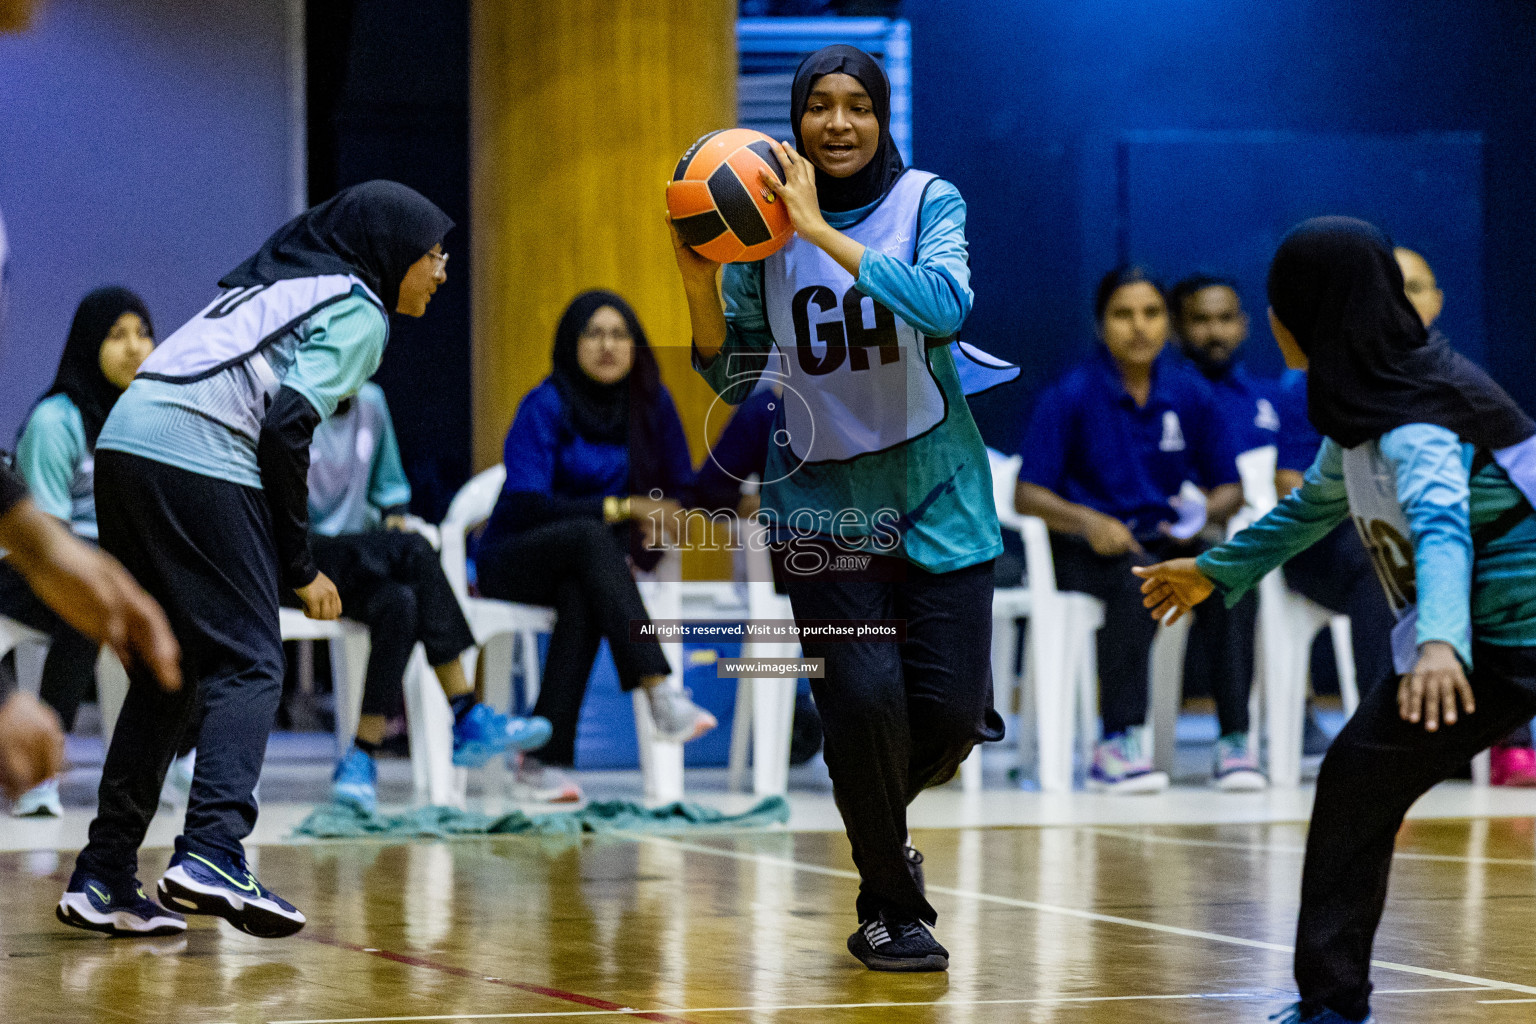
(915, 865)
(216, 886)
(97, 906)
(884, 944)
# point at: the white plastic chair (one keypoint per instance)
(1287, 624)
(765, 707)
(495, 623)
(1009, 606)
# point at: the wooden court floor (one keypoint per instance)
(1071, 924)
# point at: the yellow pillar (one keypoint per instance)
(15, 15)
(579, 110)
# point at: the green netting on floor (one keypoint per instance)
(337, 821)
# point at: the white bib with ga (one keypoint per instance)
(1371, 484)
(861, 372)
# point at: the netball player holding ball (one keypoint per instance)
(880, 473)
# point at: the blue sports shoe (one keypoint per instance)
(355, 782)
(1292, 1015)
(484, 732)
(217, 886)
(98, 906)
(529, 733)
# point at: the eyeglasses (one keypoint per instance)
(441, 257)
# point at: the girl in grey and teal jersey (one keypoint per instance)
(110, 336)
(1436, 466)
(202, 494)
(877, 485)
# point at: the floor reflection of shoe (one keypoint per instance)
(41, 801)
(178, 781)
(221, 887)
(678, 719)
(1512, 766)
(355, 781)
(544, 783)
(98, 906)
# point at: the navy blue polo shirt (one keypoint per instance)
(1091, 444)
(1249, 405)
(1299, 440)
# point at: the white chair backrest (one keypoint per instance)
(1038, 563)
(469, 508)
(1256, 468)
(1005, 480)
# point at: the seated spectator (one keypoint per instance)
(596, 466)
(111, 335)
(1106, 454)
(1211, 326)
(391, 579)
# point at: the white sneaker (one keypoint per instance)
(1123, 765)
(1235, 767)
(678, 719)
(41, 801)
(542, 783)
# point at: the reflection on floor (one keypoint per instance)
(1047, 924)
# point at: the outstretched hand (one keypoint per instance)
(1431, 691)
(1173, 588)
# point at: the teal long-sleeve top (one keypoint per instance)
(1472, 575)
(356, 479)
(937, 487)
(55, 460)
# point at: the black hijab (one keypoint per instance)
(80, 375)
(627, 412)
(375, 230)
(874, 179)
(1336, 286)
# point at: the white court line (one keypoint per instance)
(1298, 850)
(1074, 912)
(1266, 996)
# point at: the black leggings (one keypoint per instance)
(897, 717)
(393, 582)
(203, 548)
(70, 670)
(579, 567)
(1377, 767)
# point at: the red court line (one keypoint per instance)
(460, 972)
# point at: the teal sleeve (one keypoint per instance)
(1300, 520)
(387, 486)
(932, 293)
(1434, 491)
(734, 371)
(342, 347)
(49, 453)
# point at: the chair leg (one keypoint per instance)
(1482, 769)
(773, 716)
(1167, 692)
(430, 719)
(1054, 659)
(1342, 634)
(741, 735)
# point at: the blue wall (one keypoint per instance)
(1022, 104)
(144, 144)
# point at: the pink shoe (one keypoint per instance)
(1512, 766)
